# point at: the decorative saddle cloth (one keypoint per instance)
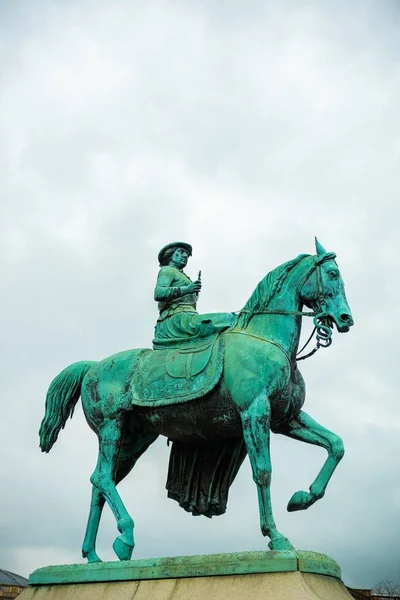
(165, 377)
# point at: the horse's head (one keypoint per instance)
(323, 291)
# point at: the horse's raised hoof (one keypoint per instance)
(122, 549)
(280, 543)
(300, 501)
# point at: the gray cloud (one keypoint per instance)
(245, 130)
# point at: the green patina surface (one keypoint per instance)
(239, 563)
(239, 394)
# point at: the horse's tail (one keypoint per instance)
(63, 394)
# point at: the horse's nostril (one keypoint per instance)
(346, 318)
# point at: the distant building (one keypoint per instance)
(369, 595)
(360, 594)
(11, 585)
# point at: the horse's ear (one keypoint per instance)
(319, 248)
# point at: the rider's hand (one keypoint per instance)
(193, 288)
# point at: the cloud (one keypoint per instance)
(246, 131)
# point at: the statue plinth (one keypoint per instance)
(288, 575)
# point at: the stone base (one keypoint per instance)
(240, 576)
(266, 586)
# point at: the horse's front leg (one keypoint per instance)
(304, 428)
(256, 432)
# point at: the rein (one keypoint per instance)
(322, 329)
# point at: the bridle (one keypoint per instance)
(321, 320)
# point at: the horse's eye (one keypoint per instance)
(333, 274)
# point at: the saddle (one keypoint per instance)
(173, 376)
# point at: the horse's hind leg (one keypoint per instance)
(130, 449)
(110, 438)
(304, 428)
(89, 543)
(92, 527)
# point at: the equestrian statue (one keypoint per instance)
(215, 385)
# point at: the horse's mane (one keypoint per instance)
(267, 289)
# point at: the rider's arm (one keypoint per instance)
(165, 288)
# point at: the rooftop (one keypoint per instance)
(8, 578)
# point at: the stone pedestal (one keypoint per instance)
(239, 576)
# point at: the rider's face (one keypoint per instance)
(180, 258)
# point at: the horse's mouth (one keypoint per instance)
(341, 326)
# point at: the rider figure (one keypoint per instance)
(177, 296)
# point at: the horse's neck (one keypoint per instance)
(282, 329)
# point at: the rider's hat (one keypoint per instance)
(161, 254)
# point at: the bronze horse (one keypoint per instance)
(260, 389)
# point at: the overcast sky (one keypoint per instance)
(244, 128)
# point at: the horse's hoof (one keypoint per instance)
(91, 556)
(281, 543)
(300, 501)
(122, 549)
